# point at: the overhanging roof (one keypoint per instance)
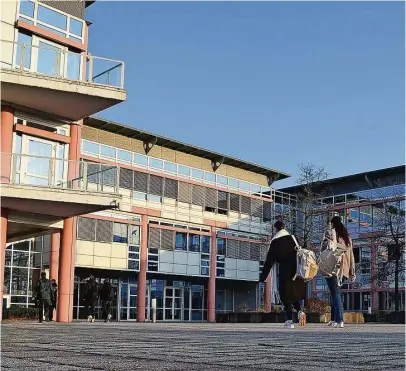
(128, 131)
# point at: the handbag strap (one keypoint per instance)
(297, 247)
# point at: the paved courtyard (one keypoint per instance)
(180, 346)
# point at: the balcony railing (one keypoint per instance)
(54, 61)
(58, 173)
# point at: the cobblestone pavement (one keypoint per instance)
(180, 346)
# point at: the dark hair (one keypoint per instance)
(279, 224)
(340, 230)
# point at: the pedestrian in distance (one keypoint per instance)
(339, 234)
(90, 297)
(54, 298)
(106, 296)
(43, 297)
(282, 250)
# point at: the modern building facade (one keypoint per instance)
(372, 206)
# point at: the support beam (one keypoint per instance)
(54, 256)
(142, 275)
(211, 290)
(3, 238)
(6, 142)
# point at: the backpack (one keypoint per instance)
(330, 258)
(306, 263)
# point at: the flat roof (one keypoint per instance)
(370, 175)
(131, 132)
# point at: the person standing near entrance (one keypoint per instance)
(43, 297)
(282, 250)
(90, 296)
(106, 296)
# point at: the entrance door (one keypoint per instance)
(173, 304)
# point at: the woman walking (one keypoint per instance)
(339, 235)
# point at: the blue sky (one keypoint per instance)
(275, 83)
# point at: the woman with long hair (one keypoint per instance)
(339, 235)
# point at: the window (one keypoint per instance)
(90, 147)
(233, 183)
(209, 177)
(124, 155)
(27, 8)
(23, 56)
(222, 180)
(255, 188)
(52, 17)
(120, 233)
(180, 241)
(134, 234)
(221, 246)
(170, 167)
(76, 27)
(194, 243)
(140, 159)
(184, 170)
(107, 151)
(155, 164)
(139, 196)
(244, 186)
(197, 174)
(206, 244)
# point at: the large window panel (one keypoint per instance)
(171, 188)
(155, 185)
(267, 211)
(194, 243)
(232, 249)
(198, 194)
(181, 241)
(52, 17)
(140, 182)
(185, 192)
(254, 251)
(134, 234)
(109, 175)
(120, 233)
(222, 203)
(86, 229)
(126, 178)
(104, 231)
(221, 246)
(167, 241)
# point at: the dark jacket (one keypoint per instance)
(54, 294)
(282, 251)
(91, 291)
(43, 291)
(106, 292)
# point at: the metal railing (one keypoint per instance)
(54, 61)
(58, 173)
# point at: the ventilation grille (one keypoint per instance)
(234, 202)
(264, 251)
(140, 182)
(109, 175)
(155, 185)
(267, 211)
(93, 173)
(211, 198)
(256, 208)
(185, 192)
(198, 195)
(223, 200)
(245, 205)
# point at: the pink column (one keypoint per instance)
(142, 275)
(267, 293)
(6, 142)
(54, 256)
(3, 240)
(67, 253)
(211, 292)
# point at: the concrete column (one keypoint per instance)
(211, 290)
(6, 142)
(54, 256)
(142, 275)
(267, 293)
(3, 240)
(67, 253)
(66, 273)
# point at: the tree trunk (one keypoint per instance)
(397, 285)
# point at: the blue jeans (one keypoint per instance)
(335, 299)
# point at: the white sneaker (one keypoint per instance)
(109, 317)
(89, 318)
(289, 324)
(92, 320)
(331, 323)
(338, 325)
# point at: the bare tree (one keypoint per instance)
(388, 231)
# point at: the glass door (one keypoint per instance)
(173, 304)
